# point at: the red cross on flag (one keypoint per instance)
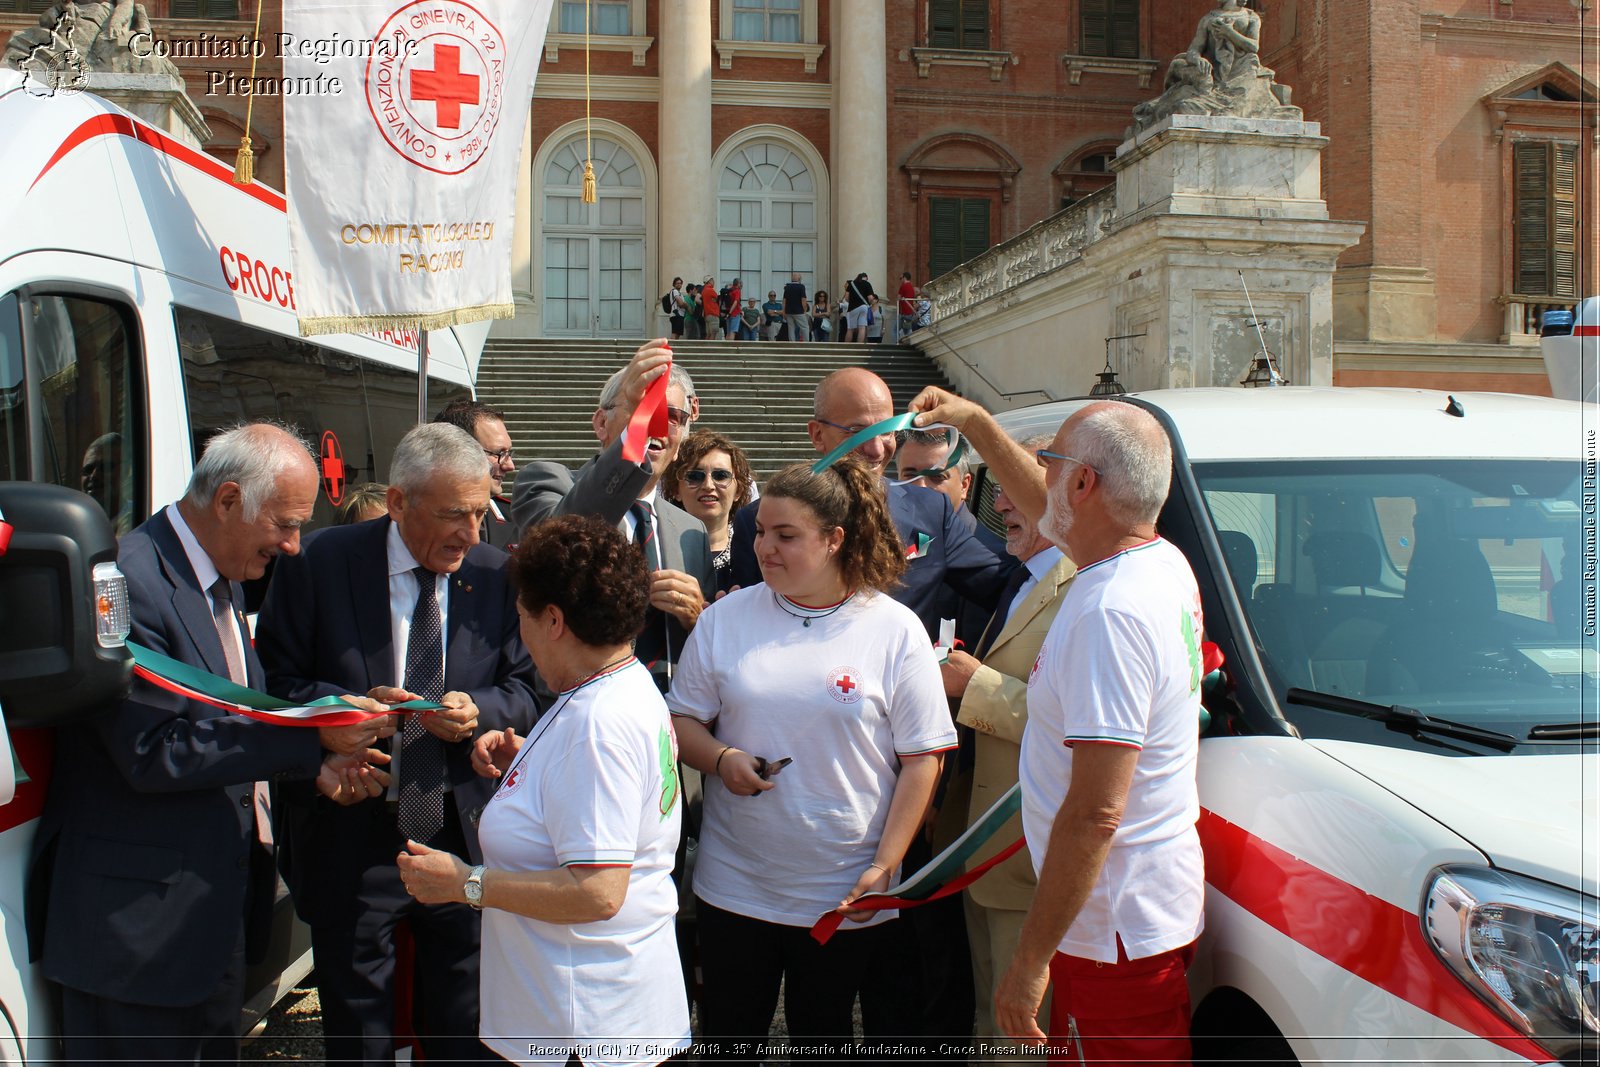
(403, 124)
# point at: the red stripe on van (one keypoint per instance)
(33, 749)
(1586, 331)
(110, 125)
(1371, 938)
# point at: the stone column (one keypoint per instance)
(686, 242)
(860, 152)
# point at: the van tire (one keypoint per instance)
(1229, 1028)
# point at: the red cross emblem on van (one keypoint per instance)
(332, 468)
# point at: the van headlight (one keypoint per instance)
(1531, 949)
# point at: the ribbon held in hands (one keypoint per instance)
(649, 419)
(217, 692)
(945, 874)
(903, 421)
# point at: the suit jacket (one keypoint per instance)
(606, 487)
(953, 554)
(325, 629)
(147, 846)
(996, 706)
(500, 532)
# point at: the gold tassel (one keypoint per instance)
(244, 165)
(589, 196)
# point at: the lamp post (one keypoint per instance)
(1106, 383)
(1261, 373)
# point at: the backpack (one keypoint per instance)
(724, 296)
(666, 302)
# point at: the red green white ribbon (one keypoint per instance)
(193, 683)
(945, 874)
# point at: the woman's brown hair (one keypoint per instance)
(589, 570)
(693, 450)
(850, 496)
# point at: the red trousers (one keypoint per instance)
(1132, 1012)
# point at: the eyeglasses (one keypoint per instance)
(500, 456)
(933, 475)
(678, 416)
(1044, 456)
(850, 431)
(721, 476)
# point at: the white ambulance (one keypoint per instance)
(145, 302)
(1399, 783)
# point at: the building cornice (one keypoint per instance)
(726, 92)
(1498, 31)
(638, 46)
(728, 50)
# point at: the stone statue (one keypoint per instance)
(73, 39)
(1220, 73)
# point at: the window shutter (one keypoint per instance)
(1094, 27)
(944, 235)
(1564, 215)
(944, 18)
(974, 228)
(975, 24)
(184, 9)
(1530, 160)
(1124, 29)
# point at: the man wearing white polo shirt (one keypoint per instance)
(1108, 756)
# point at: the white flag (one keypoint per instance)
(403, 128)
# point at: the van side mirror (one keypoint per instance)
(63, 607)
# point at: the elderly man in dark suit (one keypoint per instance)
(404, 606)
(154, 851)
(618, 490)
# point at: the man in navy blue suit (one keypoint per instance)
(154, 855)
(405, 606)
(941, 543)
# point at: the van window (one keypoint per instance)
(13, 402)
(1451, 586)
(235, 373)
(89, 422)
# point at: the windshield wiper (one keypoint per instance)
(1403, 719)
(1564, 731)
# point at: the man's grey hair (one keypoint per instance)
(962, 466)
(253, 455)
(432, 450)
(613, 387)
(1129, 450)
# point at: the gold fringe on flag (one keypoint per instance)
(590, 195)
(244, 164)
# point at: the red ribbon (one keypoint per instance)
(824, 928)
(649, 419)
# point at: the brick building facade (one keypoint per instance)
(756, 137)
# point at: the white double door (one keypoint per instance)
(594, 286)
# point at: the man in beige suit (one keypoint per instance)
(992, 687)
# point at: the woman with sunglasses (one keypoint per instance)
(819, 666)
(821, 317)
(711, 480)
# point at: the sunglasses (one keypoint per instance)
(721, 476)
(678, 416)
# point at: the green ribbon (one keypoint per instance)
(219, 688)
(953, 860)
(904, 421)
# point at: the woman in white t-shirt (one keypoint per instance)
(580, 956)
(818, 666)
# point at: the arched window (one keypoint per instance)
(594, 253)
(766, 218)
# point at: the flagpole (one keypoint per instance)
(422, 376)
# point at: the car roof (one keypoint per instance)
(1329, 422)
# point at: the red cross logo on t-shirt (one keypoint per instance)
(445, 86)
(844, 684)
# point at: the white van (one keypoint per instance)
(1399, 782)
(145, 302)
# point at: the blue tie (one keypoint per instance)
(422, 767)
(1002, 609)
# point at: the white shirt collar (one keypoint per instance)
(1040, 562)
(205, 572)
(401, 561)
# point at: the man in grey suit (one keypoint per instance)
(618, 490)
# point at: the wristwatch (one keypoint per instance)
(474, 888)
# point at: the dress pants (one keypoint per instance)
(97, 1030)
(356, 964)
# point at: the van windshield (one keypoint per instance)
(1461, 588)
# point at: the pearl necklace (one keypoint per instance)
(807, 614)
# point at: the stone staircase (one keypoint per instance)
(758, 393)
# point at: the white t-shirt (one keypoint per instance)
(1121, 665)
(843, 698)
(595, 784)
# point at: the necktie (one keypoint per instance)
(422, 766)
(644, 534)
(233, 652)
(997, 623)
